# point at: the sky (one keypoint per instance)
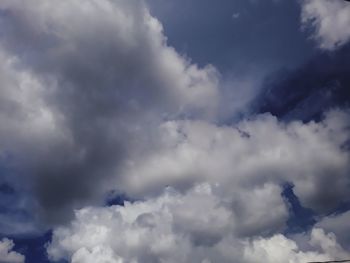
(163, 131)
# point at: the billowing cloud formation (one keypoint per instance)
(6, 253)
(82, 81)
(254, 152)
(281, 249)
(228, 201)
(329, 20)
(94, 102)
(194, 227)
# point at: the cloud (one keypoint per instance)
(93, 101)
(338, 224)
(6, 253)
(281, 249)
(82, 83)
(247, 155)
(329, 21)
(223, 195)
(236, 15)
(194, 227)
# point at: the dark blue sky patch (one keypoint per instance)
(235, 35)
(115, 200)
(301, 219)
(342, 208)
(33, 248)
(16, 204)
(6, 189)
(306, 93)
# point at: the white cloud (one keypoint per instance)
(248, 155)
(329, 20)
(281, 249)
(196, 226)
(6, 253)
(96, 255)
(164, 227)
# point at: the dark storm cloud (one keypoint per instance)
(94, 75)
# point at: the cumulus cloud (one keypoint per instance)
(223, 196)
(193, 227)
(93, 100)
(281, 249)
(329, 21)
(6, 253)
(83, 81)
(248, 155)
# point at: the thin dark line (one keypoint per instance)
(334, 261)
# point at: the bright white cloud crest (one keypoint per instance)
(195, 227)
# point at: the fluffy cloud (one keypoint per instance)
(82, 83)
(6, 253)
(223, 196)
(113, 45)
(193, 227)
(329, 20)
(252, 153)
(281, 249)
(93, 100)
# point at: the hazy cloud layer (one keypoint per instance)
(6, 253)
(329, 21)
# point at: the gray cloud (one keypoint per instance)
(339, 225)
(80, 82)
(94, 100)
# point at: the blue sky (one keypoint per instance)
(236, 34)
(174, 131)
